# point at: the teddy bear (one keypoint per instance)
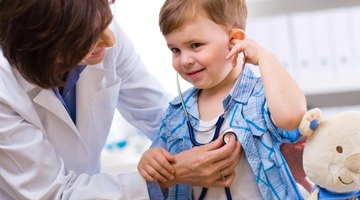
(331, 157)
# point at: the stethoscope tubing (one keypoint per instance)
(217, 129)
(216, 135)
(195, 143)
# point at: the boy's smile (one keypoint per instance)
(199, 50)
(195, 73)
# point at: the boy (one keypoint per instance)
(205, 38)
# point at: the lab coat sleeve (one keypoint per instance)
(31, 169)
(142, 99)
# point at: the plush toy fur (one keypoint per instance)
(331, 156)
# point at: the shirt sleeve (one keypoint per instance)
(142, 99)
(282, 136)
(155, 192)
(161, 137)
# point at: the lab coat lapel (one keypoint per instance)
(17, 98)
(86, 87)
(48, 100)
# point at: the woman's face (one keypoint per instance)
(97, 54)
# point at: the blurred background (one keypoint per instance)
(317, 41)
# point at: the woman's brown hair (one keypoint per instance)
(44, 39)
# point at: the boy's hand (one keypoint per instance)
(155, 165)
(251, 49)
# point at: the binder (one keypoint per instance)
(354, 38)
(303, 51)
(280, 42)
(324, 69)
(257, 30)
(339, 22)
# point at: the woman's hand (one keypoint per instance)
(202, 166)
(155, 165)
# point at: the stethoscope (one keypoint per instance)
(225, 134)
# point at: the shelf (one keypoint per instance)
(331, 99)
(259, 8)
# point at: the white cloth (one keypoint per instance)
(43, 155)
(244, 185)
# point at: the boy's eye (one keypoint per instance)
(175, 50)
(195, 45)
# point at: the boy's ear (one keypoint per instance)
(237, 33)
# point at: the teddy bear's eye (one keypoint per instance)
(339, 149)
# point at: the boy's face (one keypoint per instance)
(199, 48)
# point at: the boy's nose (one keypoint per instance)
(187, 59)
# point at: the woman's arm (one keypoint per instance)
(31, 167)
(142, 99)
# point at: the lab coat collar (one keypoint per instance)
(87, 85)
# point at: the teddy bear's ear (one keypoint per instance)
(310, 122)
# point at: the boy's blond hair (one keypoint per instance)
(229, 13)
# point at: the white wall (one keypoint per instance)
(139, 19)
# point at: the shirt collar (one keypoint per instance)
(72, 78)
(247, 85)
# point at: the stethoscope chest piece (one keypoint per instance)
(227, 135)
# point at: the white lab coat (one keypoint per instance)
(43, 155)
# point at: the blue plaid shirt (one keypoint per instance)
(260, 139)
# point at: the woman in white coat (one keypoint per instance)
(65, 67)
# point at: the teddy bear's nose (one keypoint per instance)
(352, 163)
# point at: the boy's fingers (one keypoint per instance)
(162, 166)
(160, 173)
(236, 48)
(170, 158)
(231, 53)
(146, 176)
(164, 161)
(155, 174)
(234, 61)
